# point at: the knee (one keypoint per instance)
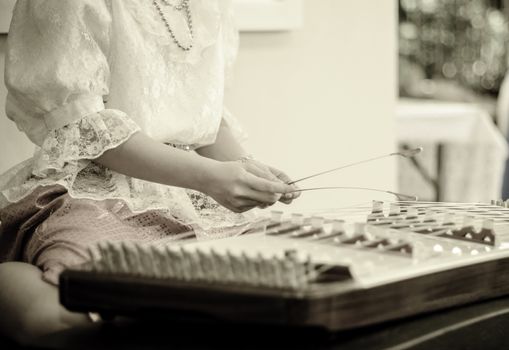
(30, 306)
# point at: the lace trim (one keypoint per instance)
(66, 149)
(65, 159)
(98, 183)
(65, 152)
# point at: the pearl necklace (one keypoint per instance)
(178, 7)
(183, 6)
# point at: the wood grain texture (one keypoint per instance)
(337, 306)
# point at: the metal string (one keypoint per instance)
(405, 154)
(400, 196)
(409, 153)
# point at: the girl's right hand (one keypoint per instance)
(240, 186)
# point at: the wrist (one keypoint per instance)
(204, 175)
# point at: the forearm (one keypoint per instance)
(235, 185)
(143, 158)
(226, 147)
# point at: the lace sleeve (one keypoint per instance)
(57, 73)
(56, 68)
(70, 148)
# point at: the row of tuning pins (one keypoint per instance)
(500, 203)
(433, 221)
(333, 232)
(202, 265)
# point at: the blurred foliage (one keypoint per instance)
(455, 47)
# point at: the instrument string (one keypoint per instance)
(409, 153)
(405, 154)
(400, 196)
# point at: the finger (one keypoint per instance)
(286, 201)
(265, 206)
(246, 201)
(296, 194)
(263, 198)
(260, 172)
(263, 185)
(280, 175)
(248, 207)
(288, 198)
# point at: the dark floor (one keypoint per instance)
(478, 326)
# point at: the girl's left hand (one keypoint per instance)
(273, 174)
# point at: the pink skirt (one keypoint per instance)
(53, 231)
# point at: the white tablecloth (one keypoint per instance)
(473, 156)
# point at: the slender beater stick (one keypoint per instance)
(406, 154)
(400, 196)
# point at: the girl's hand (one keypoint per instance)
(287, 198)
(240, 186)
(272, 174)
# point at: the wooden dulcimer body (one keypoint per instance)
(338, 270)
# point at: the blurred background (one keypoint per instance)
(323, 83)
(453, 97)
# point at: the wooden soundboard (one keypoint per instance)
(337, 270)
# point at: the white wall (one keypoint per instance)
(323, 96)
(317, 97)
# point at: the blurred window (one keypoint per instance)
(461, 44)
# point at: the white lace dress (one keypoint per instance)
(85, 75)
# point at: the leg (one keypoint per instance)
(29, 306)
